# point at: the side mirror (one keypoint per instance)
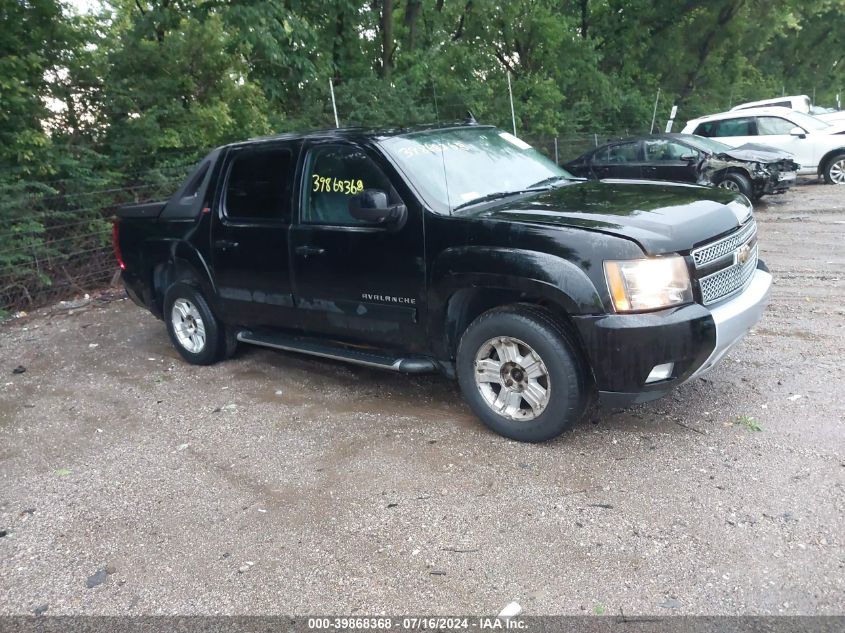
(799, 132)
(689, 157)
(371, 206)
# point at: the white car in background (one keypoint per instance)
(817, 146)
(799, 103)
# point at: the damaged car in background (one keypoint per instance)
(753, 170)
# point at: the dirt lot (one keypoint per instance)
(276, 483)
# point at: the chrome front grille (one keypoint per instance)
(728, 281)
(720, 248)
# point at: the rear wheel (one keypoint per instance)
(521, 373)
(194, 330)
(834, 170)
(738, 183)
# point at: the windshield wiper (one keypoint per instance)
(541, 185)
(547, 181)
(493, 196)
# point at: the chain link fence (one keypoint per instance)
(55, 236)
(563, 149)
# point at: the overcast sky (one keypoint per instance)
(84, 6)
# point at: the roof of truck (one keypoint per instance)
(357, 133)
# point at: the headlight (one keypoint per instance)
(648, 284)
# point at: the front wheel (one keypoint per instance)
(521, 373)
(194, 330)
(738, 183)
(834, 170)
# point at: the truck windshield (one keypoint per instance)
(454, 167)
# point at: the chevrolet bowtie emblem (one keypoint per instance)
(743, 254)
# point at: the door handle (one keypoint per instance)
(306, 251)
(226, 245)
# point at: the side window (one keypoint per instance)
(768, 125)
(706, 129)
(258, 185)
(335, 173)
(736, 127)
(626, 153)
(663, 150)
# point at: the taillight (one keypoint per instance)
(115, 240)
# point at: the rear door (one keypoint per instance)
(355, 280)
(734, 132)
(250, 234)
(669, 160)
(623, 160)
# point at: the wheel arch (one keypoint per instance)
(720, 174)
(827, 158)
(550, 282)
(182, 267)
(467, 304)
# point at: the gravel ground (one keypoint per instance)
(133, 483)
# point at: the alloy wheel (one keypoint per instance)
(512, 378)
(837, 172)
(188, 326)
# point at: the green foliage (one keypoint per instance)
(101, 109)
(748, 422)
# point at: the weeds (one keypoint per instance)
(748, 422)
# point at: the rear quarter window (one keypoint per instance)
(625, 153)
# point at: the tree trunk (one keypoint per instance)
(727, 13)
(412, 12)
(585, 18)
(386, 39)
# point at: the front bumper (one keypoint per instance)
(623, 349)
(777, 182)
(735, 317)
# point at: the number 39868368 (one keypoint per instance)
(327, 184)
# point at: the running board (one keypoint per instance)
(313, 347)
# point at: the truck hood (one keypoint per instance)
(660, 217)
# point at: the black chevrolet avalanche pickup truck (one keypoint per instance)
(457, 249)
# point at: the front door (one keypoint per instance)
(669, 160)
(250, 235)
(354, 280)
(776, 131)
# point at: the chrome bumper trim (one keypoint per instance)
(736, 316)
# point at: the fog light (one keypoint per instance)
(660, 372)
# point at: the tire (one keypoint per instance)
(834, 170)
(230, 343)
(563, 395)
(737, 182)
(199, 335)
